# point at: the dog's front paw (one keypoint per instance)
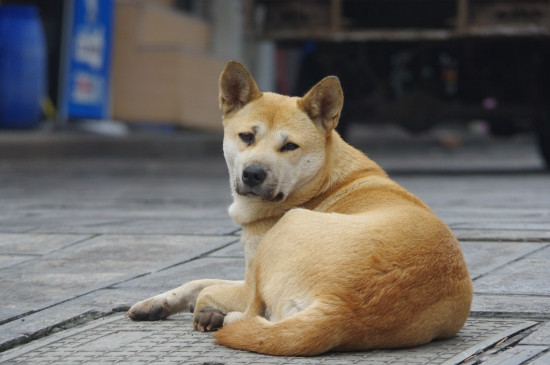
(208, 319)
(149, 310)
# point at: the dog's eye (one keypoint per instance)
(247, 138)
(289, 147)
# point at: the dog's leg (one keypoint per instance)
(173, 301)
(215, 302)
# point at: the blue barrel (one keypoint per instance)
(22, 66)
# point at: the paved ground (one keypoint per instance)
(89, 225)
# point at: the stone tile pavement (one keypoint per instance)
(88, 228)
(116, 339)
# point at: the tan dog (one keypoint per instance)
(339, 257)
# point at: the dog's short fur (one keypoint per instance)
(339, 257)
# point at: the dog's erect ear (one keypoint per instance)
(237, 87)
(323, 103)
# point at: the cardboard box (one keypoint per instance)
(166, 27)
(162, 72)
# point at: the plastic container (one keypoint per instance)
(22, 66)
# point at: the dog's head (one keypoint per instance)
(275, 145)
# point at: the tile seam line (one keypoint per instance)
(520, 316)
(517, 259)
(512, 294)
(488, 343)
(205, 254)
(463, 226)
(225, 234)
(505, 240)
(58, 250)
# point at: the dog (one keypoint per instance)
(338, 256)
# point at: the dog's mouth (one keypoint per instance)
(280, 196)
(263, 194)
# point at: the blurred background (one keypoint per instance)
(464, 67)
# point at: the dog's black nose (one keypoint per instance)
(254, 175)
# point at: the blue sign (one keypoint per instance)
(86, 62)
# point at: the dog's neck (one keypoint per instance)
(343, 163)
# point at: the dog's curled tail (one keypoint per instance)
(307, 333)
